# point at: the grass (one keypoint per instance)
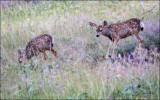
(80, 71)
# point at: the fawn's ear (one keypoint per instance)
(19, 52)
(105, 23)
(92, 24)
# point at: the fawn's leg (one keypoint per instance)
(114, 45)
(53, 52)
(110, 44)
(139, 42)
(44, 55)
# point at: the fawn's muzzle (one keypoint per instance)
(97, 35)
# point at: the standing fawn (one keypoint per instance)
(37, 45)
(117, 31)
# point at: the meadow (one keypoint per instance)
(80, 70)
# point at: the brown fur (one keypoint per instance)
(37, 45)
(117, 31)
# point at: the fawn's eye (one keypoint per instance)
(99, 30)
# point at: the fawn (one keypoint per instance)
(37, 45)
(117, 31)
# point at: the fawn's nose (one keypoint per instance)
(97, 35)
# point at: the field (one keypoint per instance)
(80, 71)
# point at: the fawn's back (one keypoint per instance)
(39, 44)
(123, 29)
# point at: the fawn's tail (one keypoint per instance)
(142, 26)
(51, 42)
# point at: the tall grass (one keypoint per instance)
(80, 71)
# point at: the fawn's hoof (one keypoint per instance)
(110, 59)
(109, 56)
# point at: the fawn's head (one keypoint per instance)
(21, 56)
(99, 28)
